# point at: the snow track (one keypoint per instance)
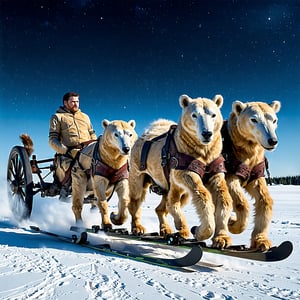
(33, 266)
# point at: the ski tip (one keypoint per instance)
(191, 258)
(197, 253)
(280, 252)
(287, 246)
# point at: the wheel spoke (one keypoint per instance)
(19, 178)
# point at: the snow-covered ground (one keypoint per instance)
(34, 266)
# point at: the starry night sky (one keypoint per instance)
(133, 59)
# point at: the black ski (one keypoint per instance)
(190, 259)
(123, 233)
(274, 254)
(74, 239)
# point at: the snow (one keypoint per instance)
(35, 266)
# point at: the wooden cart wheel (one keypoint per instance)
(20, 183)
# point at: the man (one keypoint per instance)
(69, 129)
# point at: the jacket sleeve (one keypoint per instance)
(92, 133)
(55, 135)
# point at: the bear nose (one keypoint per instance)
(126, 149)
(272, 141)
(207, 134)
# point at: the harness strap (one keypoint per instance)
(84, 144)
(172, 159)
(268, 172)
(79, 147)
(100, 168)
(114, 175)
(237, 167)
(146, 147)
(182, 161)
(144, 155)
(68, 172)
(168, 154)
(215, 167)
(257, 171)
(67, 175)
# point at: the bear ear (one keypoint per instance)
(132, 123)
(184, 100)
(276, 105)
(238, 106)
(218, 99)
(105, 123)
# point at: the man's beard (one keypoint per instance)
(74, 109)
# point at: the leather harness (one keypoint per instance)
(73, 160)
(100, 168)
(172, 159)
(237, 167)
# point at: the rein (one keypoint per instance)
(73, 160)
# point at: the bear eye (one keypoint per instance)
(213, 116)
(253, 120)
(116, 134)
(194, 115)
(126, 132)
(275, 121)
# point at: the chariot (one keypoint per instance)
(27, 177)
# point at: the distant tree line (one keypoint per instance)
(287, 180)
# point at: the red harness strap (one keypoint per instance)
(237, 167)
(182, 161)
(172, 159)
(114, 175)
(242, 170)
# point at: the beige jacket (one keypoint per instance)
(68, 130)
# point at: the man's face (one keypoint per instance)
(72, 104)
